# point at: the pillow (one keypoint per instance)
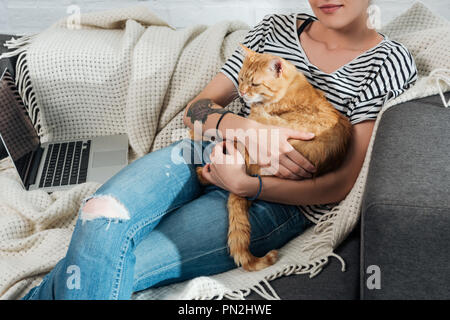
(425, 34)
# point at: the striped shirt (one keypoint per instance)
(358, 89)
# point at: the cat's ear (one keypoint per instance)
(276, 66)
(246, 51)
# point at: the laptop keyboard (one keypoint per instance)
(65, 164)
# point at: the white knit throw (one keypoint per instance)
(128, 71)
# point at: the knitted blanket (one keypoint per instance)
(128, 71)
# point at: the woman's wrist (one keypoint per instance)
(237, 125)
(247, 187)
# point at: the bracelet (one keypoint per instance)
(218, 122)
(259, 188)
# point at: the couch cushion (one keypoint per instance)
(406, 205)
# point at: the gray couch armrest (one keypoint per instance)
(406, 205)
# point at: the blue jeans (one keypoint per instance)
(173, 229)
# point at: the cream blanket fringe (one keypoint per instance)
(35, 228)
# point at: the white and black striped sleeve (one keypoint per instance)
(397, 73)
(254, 40)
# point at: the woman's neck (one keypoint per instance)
(354, 36)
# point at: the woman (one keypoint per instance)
(153, 224)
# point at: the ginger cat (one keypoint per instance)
(286, 99)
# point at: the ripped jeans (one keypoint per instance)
(166, 228)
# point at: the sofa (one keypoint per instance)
(399, 250)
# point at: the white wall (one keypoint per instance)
(31, 16)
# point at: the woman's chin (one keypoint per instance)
(334, 22)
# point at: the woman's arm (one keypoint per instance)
(219, 92)
(328, 188)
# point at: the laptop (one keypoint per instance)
(56, 165)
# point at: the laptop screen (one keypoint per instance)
(18, 136)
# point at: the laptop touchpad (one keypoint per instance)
(109, 158)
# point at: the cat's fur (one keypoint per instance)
(287, 99)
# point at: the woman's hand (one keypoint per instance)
(268, 146)
(228, 171)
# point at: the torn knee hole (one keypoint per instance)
(103, 207)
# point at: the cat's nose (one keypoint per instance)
(241, 92)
